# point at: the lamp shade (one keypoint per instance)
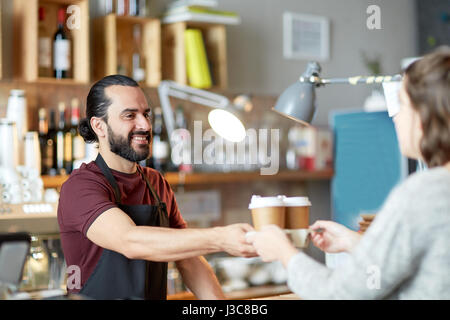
(298, 102)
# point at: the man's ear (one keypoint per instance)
(99, 127)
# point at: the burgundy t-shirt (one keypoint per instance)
(87, 194)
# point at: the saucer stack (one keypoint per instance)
(365, 223)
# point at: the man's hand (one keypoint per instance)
(334, 237)
(271, 244)
(232, 240)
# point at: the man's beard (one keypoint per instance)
(122, 146)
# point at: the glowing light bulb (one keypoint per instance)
(227, 125)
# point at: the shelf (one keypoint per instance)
(54, 181)
(30, 211)
(240, 177)
(206, 178)
(36, 222)
(55, 81)
(114, 36)
(26, 38)
(173, 50)
(249, 293)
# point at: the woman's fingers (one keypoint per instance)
(316, 225)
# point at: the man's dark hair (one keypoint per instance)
(97, 103)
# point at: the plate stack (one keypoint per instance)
(365, 223)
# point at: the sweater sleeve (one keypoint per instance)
(380, 262)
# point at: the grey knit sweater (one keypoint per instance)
(405, 253)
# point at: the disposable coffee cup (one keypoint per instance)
(299, 237)
(267, 210)
(297, 212)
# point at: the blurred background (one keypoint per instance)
(345, 163)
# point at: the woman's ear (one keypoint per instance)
(99, 127)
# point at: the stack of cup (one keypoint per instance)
(288, 213)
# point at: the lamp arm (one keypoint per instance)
(167, 89)
(163, 92)
(352, 80)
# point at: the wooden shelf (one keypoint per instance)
(249, 293)
(54, 181)
(206, 178)
(26, 217)
(55, 81)
(240, 177)
(173, 50)
(112, 31)
(26, 38)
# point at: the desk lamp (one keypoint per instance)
(222, 117)
(298, 101)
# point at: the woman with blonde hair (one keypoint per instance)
(405, 252)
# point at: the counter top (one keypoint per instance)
(288, 296)
(249, 293)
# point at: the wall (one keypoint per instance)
(256, 62)
(434, 22)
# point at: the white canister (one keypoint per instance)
(9, 144)
(17, 112)
(32, 151)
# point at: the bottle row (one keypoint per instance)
(62, 148)
(161, 157)
(55, 49)
(57, 148)
(125, 7)
(60, 143)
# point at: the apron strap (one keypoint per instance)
(109, 176)
(152, 191)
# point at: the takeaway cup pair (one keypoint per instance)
(289, 213)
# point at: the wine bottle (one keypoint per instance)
(143, 8)
(51, 145)
(61, 49)
(60, 140)
(68, 143)
(78, 144)
(43, 131)
(133, 7)
(138, 57)
(121, 7)
(45, 47)
(160, 146)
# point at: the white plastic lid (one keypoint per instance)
(296, 202)
(17, 92)
(262, 202)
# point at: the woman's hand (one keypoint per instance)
(334, 237)
(271, 244)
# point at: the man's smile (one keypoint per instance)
(139, 139)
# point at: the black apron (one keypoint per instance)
(117, 277)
